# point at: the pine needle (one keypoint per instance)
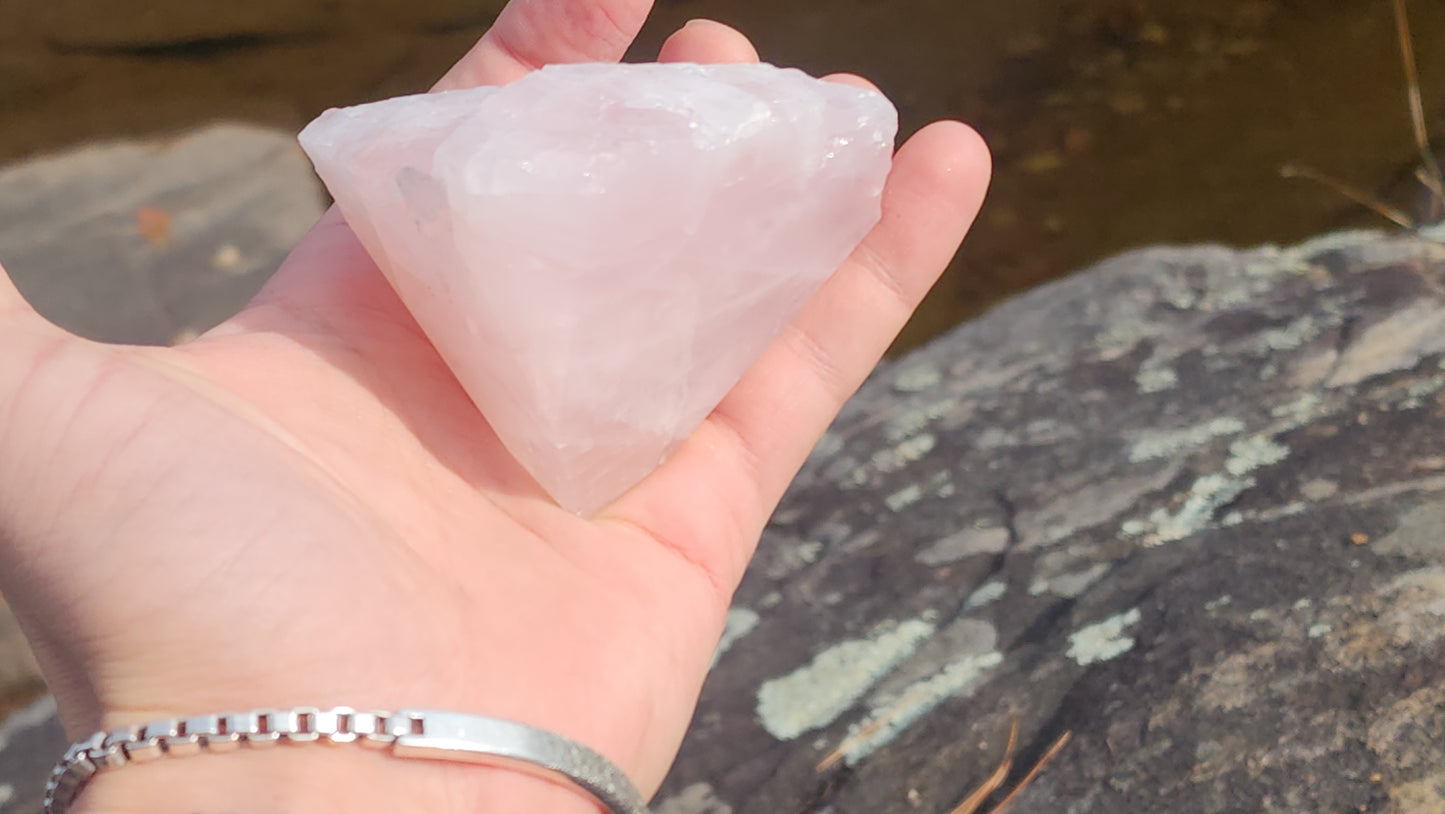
(1053, 751)
(1431, 177)
(834, 757)
(1354, 193)
(975, 799)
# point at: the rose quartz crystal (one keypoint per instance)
(599, 251)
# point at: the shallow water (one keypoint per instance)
(1115, 123)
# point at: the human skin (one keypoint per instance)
(302, 507)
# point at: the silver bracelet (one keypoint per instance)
(423, 734)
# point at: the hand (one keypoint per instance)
(302, 507)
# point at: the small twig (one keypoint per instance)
(1359, 196)
(1438, 204)
(834, 757)
(1431, 177)
(971, 803)
(1053, 751)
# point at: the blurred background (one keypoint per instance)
(1114, 123)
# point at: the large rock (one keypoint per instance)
(1188, 505)
(155, 241)
(31, 741)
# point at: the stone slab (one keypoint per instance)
(155, 241)
(1185, 506)
(30, 742)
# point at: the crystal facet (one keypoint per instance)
(600, 251)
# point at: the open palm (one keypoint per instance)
(302, 507)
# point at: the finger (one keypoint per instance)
(852, 79)
(531, 33)
(708, 43)
(711, 499)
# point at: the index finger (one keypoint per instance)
(531, 33)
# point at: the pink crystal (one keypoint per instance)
(600, 251)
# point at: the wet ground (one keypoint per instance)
(1115, 123)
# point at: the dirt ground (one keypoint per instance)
(1115, 123)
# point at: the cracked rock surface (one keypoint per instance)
(1187, 505)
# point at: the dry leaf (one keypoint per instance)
(154, 224)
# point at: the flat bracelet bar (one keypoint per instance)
(506, 744)
(420, 734)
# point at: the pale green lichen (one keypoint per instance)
(789, 557)
(942, 484)
(1156, 379)
(814, 695)
(1291, 336)
(1095, 503)
(1134, 527)
(890, 716)
(1207, 495)
(1294, 507)
(1168, 443)
(1411, 395)
(1120, 336)
(986, 594)
(739, 623)
(1248, 454)
(995, 438)
(909, 451)
(917, 378)
(1298, 412)
(698, 798)
(1103, 641)
(905, 497)
(909, 422)
(829, 445)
